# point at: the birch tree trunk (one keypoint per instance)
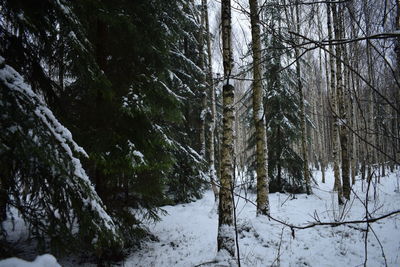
(204, 88)
(258, 114)
(335, 135)
(321, 99)
(225, 223)
(353, 83)
(342, 119)
(396, 115)
(353, 117)
(371, 152)
(210, 82)
(397, 47)
(302, 110)
(324, 159)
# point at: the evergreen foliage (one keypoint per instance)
(282, 111)
(181, 20)
(41, 174)
(123, 78)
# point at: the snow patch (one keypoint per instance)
(45, 260)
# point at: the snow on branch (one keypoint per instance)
(79, 182)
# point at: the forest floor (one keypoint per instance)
(187, 234)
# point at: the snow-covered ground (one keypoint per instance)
(187, 235)
(46, 260)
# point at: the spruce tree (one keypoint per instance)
(282, 112)
(42, 175)
(128, 104)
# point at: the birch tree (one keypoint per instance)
(333, 103)
(341, 120)
(258, 114)
(211, 87)
(225, 237)
(204, 89)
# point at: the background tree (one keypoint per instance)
(302, 105)
(212, 105)
(343, 109)
(334, 110)
(258, 113)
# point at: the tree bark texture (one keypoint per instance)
(203, 80)
(258, 114)
(225, 226)
(333, 103)
(211, 88)
(341, 120)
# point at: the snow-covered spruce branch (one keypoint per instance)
(81, 198)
